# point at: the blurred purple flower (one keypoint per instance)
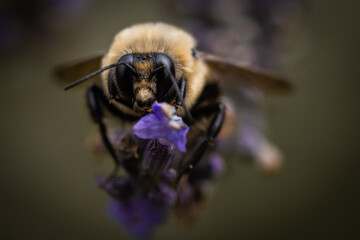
(139, 215)
(209, 168)
(157, 159)
(216, 164)
(163, 195)
(249, 137)
(185, 194)
(163, 123)
(119, 187)
(169, 175)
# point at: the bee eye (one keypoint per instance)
(124, 75)
(163, 79)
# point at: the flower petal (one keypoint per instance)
(163, 195)
(178, 138)
(158, 125)
(149, 127)
(158, 111)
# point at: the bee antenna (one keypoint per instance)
(178, 92)
(155, 71)
(71, 85)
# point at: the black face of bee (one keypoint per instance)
(163, 79)
(124, 75)
(143, 78)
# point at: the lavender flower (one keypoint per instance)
(143, 198)
(163, 195)
(138, 215)
(141, 201)
(163, 123)
(118, 187)
(210, 168)
(216, 164)
(136, 211)
(157, 158)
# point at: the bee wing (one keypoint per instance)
(242, 130)
(239, 73)
(78, 68)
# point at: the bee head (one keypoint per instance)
(142, 80)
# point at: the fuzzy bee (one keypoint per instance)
(156, 62)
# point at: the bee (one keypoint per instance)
(156, 62)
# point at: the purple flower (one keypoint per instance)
(119, 187)
(207, 170)
(169, 175)
(163, 123)
(163, 195)
(157, 159)
(138, 215)
(249, 137)
(185, 194)
(216, 164)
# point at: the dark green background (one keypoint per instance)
(47, 174)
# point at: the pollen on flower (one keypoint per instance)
(175, 125)
(168, 110)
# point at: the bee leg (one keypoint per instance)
(182, 90)
(96, 101)
(212, 132)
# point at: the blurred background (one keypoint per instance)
(47, 173)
